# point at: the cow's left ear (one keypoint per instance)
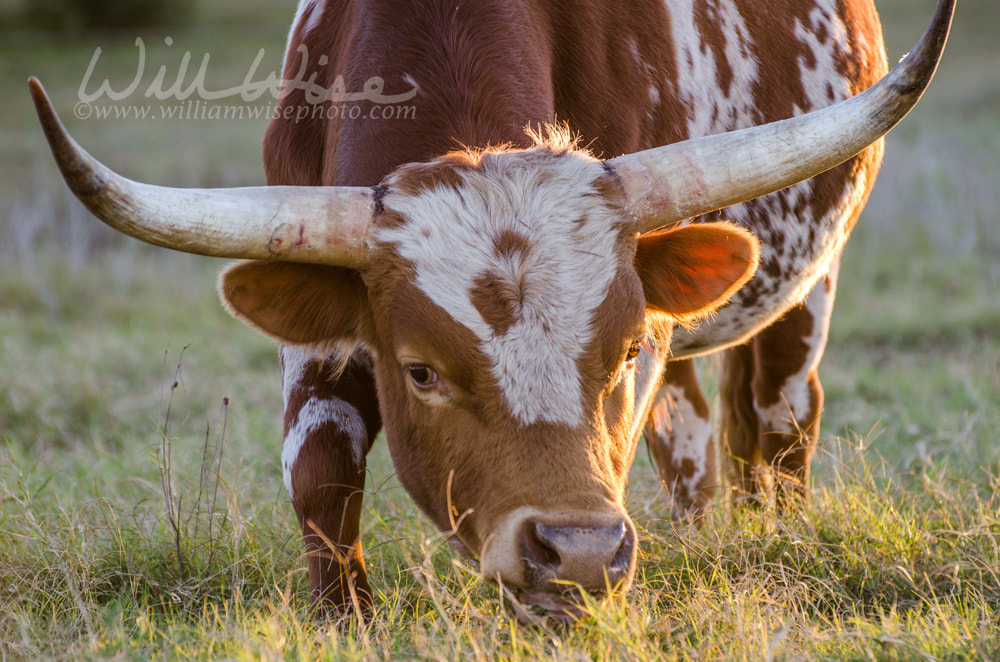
(298, 304)
(689, 272)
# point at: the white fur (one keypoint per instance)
(294, 361)
(409, 80)
(449, 238)
(675, 418)
(319, 6)
(654, 96)
(711, 112)
(314, 413)
(815, 81)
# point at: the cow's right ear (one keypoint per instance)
(298, 304)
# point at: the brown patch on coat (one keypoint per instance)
(511, 244)
(784, 348)
(499, 300)
(610, 188)
(443, 172)
(599, 88)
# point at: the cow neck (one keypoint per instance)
(480, 70)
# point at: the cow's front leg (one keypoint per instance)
(778, 430)
(331, 421)
(679, 435)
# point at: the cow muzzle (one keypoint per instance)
(548, 560)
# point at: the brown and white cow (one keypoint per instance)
(504, 302)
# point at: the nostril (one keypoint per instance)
(622, 560)
(589, 555)
(540, 555)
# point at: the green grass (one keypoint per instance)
(895, 558)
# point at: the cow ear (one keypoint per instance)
(299, 304)
(689, 272)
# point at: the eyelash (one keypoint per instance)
(633, 351)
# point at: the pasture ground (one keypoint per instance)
(142, 512)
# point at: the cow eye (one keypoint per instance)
(423, 376)
(633, 351)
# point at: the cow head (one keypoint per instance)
(505, 303)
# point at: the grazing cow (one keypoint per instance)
(504, 302)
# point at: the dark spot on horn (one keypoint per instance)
(378, 193)
(610, 187)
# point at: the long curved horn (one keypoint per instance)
(670, 183)
(319, 224)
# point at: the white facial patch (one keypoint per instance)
(561, 274)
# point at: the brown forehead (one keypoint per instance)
(423, 327)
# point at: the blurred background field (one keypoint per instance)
(92, 327)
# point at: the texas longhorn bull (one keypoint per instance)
(504, 302)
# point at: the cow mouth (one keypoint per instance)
(541, 608)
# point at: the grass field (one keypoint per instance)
(142, 511)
